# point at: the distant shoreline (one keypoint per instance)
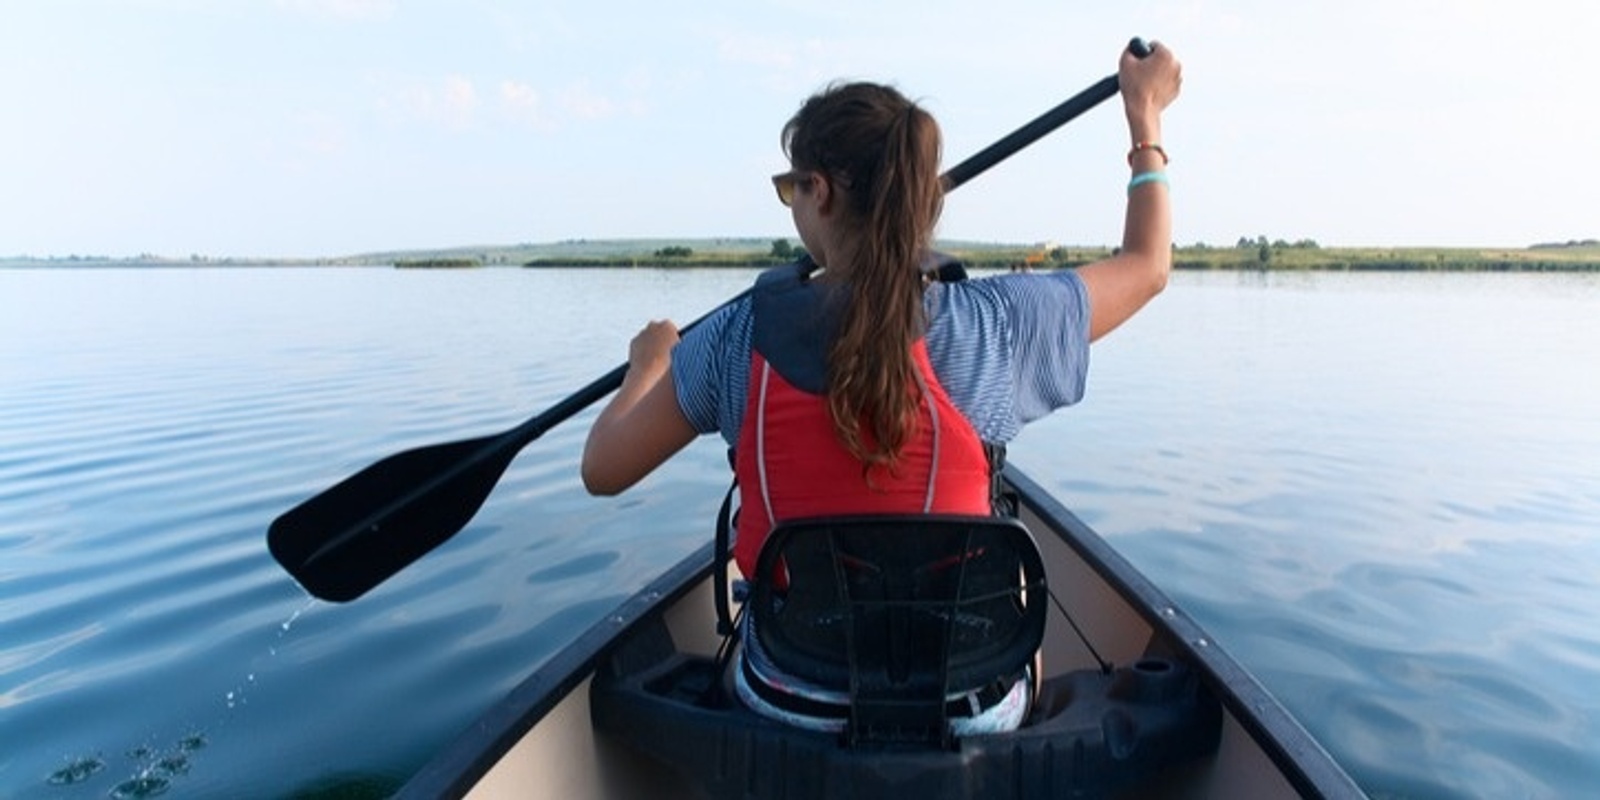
(1248, 254)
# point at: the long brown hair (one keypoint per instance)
(881, 152)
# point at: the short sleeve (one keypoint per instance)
(709, 370)
(1051, 319)
(1010, 349)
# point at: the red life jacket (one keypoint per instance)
(789, 462)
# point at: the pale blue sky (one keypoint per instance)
(329, 127)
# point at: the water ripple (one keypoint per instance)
(1415, 577)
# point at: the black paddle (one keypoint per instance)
(367, 527)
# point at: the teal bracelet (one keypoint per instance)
(1148, 177)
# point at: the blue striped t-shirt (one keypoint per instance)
(1008, 349)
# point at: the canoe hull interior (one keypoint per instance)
(1178, 717)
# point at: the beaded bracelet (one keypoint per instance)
(1152, 146)
(1143, 178)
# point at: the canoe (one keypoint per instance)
(1225, 735)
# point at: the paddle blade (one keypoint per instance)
(359, 532)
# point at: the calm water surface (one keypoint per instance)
(1380, 492)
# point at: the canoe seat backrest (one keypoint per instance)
(902, 613)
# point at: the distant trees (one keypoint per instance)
(437, 263)
(783, 251)
(1570, 243)
(674, 251)
(1264, 248)
(1246, 243)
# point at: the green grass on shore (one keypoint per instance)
(1199, 257)
(759, 252)
(1533, 259)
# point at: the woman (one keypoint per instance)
(870, 388)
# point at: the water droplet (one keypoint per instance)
(77, 770)
(284, 628)
(172, 765)
(192, 742)
(141, 786)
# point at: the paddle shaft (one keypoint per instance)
(354, 535)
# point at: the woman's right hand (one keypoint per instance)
(651, 348)
(643, 425)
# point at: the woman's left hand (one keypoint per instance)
(1149, 84)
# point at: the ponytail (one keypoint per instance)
(882, 150)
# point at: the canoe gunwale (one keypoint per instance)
(1303, 762)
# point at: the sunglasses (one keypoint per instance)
(785, 183)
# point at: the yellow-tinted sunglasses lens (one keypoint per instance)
(785, 183)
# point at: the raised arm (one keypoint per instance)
(1119, 286)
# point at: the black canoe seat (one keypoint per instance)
(901, 613)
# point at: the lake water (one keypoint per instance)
(1380, 492)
